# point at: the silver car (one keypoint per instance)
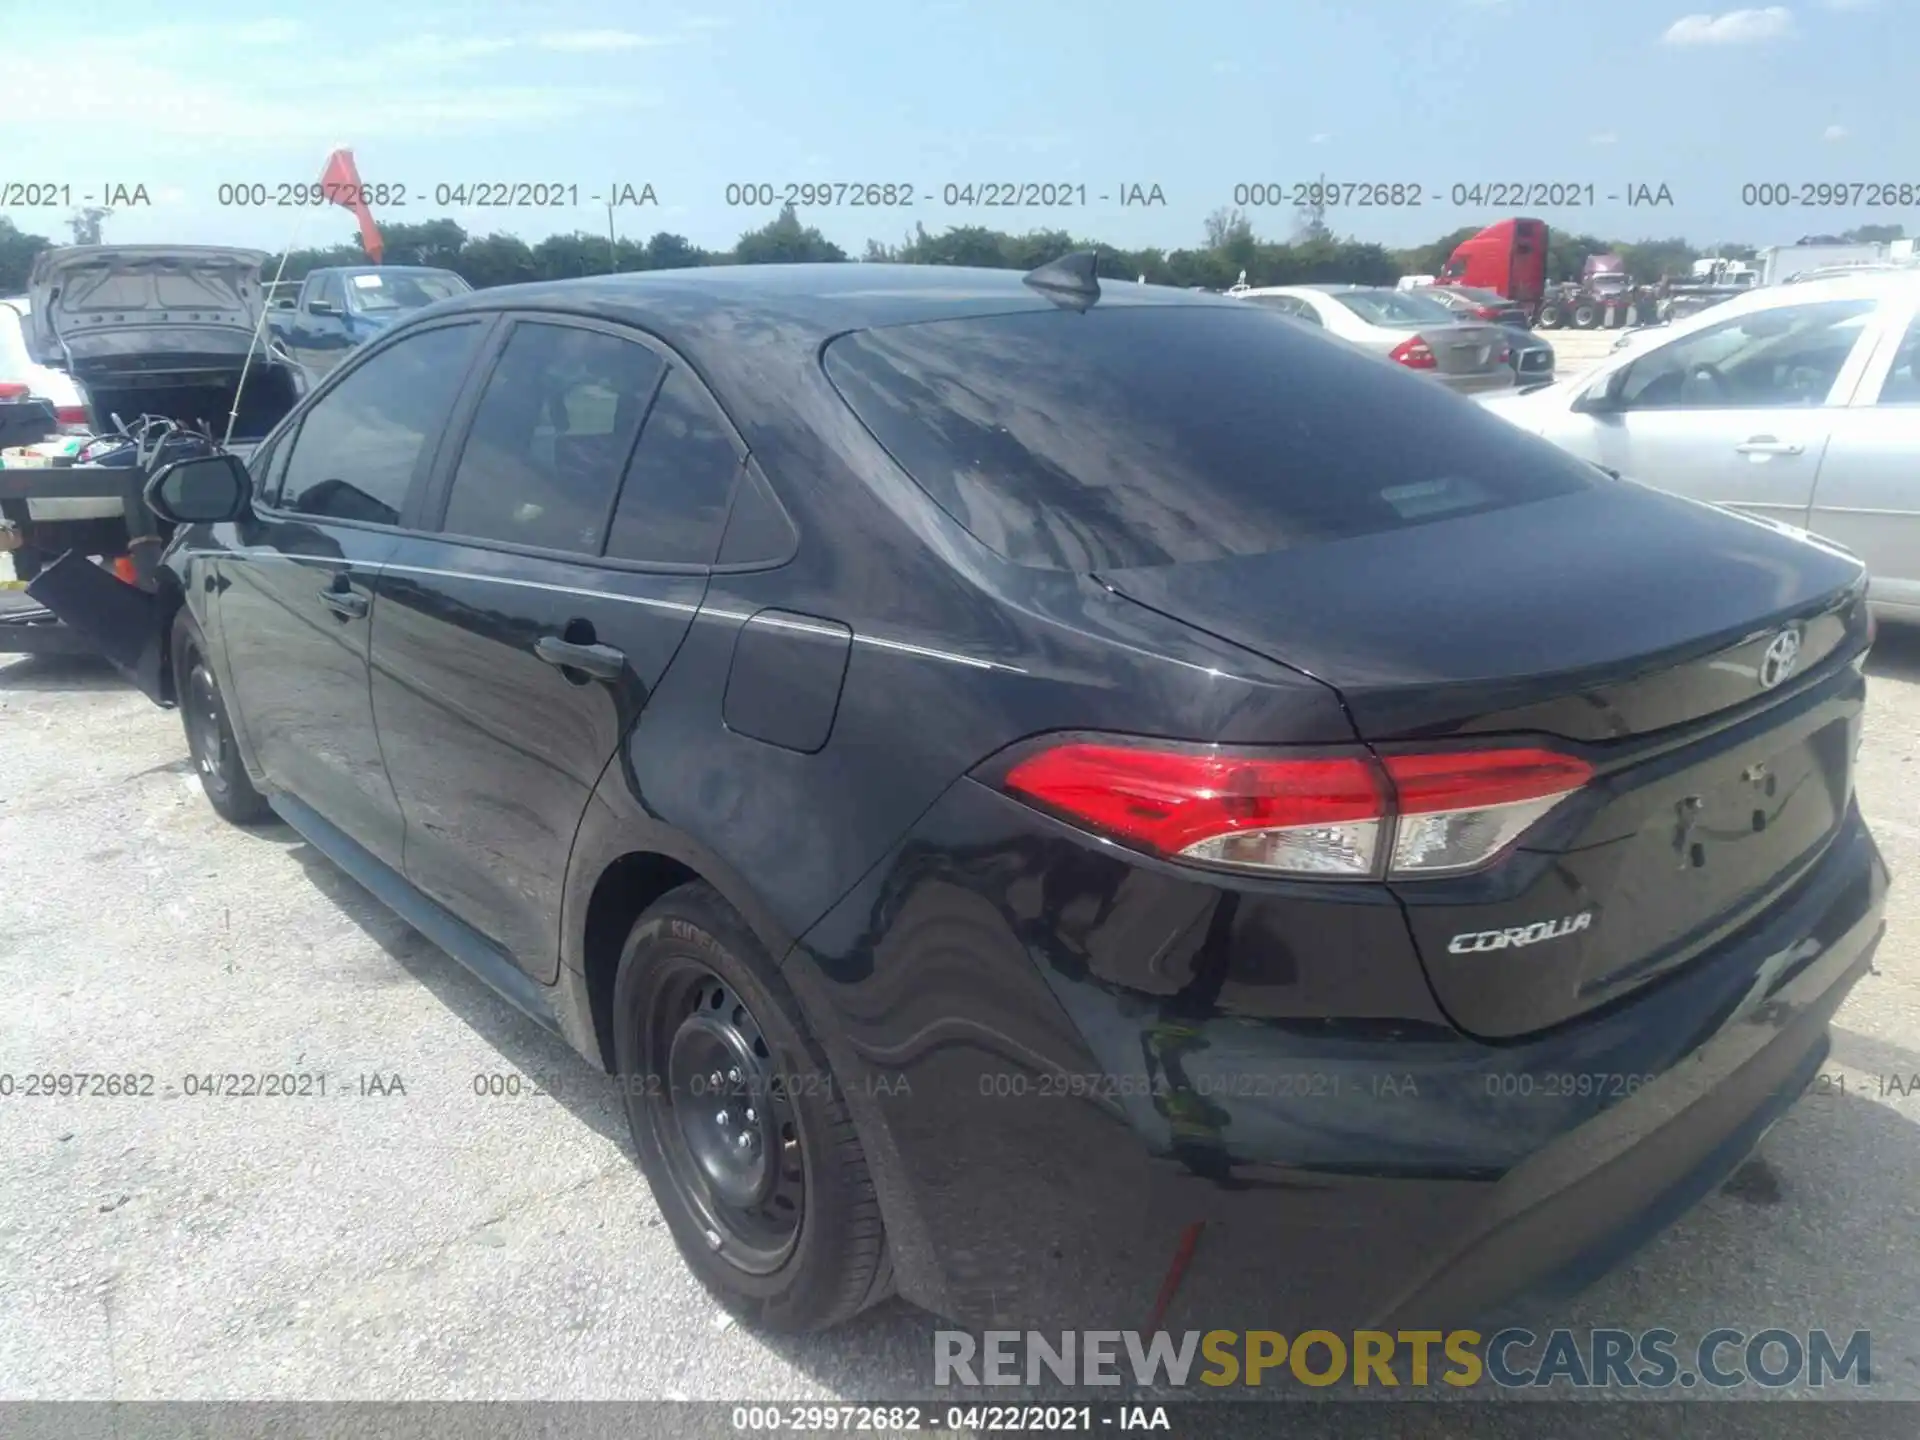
(1404, 326)
(1800, 403)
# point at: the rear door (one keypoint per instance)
(575, 523)
(1737, 413)
(1868, 494)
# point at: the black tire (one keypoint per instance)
(1585, 317)
(783, 1228)
(1550, 317)
(203, 714)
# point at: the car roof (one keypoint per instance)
(802, 305)
(1878, 285)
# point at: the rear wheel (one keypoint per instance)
(203, 712)
(1551, 317)
(740, 1130)
(1585, 317)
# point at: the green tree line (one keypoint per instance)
(1229, 249)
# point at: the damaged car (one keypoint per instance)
(168, 351)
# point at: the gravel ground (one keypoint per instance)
(428, 1242)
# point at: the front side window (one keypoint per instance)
(1789, 355)
(357, 448)
(554, 431)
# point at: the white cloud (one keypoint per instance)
(1736, 27)
(1605, 137)
(1834, 132)
(577, 41)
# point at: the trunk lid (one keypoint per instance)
(1636, 630)
(106, 310)
(1465, 348)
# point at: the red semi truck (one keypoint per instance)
(1509, 256)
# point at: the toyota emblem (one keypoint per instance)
(1782, 654)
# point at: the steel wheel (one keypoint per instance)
(725, 1120)
(206, 734)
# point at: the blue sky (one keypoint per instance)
(184, 96)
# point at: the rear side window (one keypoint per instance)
(1152, 435)
(674, 500)
(555, 429)
(356, 450)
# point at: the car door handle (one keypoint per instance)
(1767, 445)
(603, 662)
(345, 603)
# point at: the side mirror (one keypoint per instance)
(204, 490)
(322, 307)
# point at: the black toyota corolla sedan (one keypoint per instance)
(1065, 806)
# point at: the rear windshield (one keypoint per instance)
(1155, 435)
(1395, 309)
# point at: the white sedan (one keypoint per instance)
(1800, 403)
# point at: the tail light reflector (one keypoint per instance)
(12, 390)
(1414, 353)
(1344, 816)
(73, 415)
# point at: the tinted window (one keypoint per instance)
(1153, 434)
(554, 430)
(1902, 385)
(1788, 355)
(357, 447)
(675, 496)
(332, 291)
(268, 466)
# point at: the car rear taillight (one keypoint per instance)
(1486, 312)
(1414, 353)
(71, 415)
(12, 390)
(1333, 816)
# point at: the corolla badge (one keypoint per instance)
(1781, 656)
(1518, 935)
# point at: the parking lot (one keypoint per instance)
(409, 1234)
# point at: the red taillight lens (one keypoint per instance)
(12, 390)
(1486, 312)
(1414, 353)
(1340, 816)
(70, 414)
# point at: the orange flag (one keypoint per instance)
(340, 184)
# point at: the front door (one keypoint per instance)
(1737, 413)
(513, 651)
(296, 612)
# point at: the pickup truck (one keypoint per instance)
(343, 306)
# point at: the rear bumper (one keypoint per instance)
(1042, 1140)
(1501, 379)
